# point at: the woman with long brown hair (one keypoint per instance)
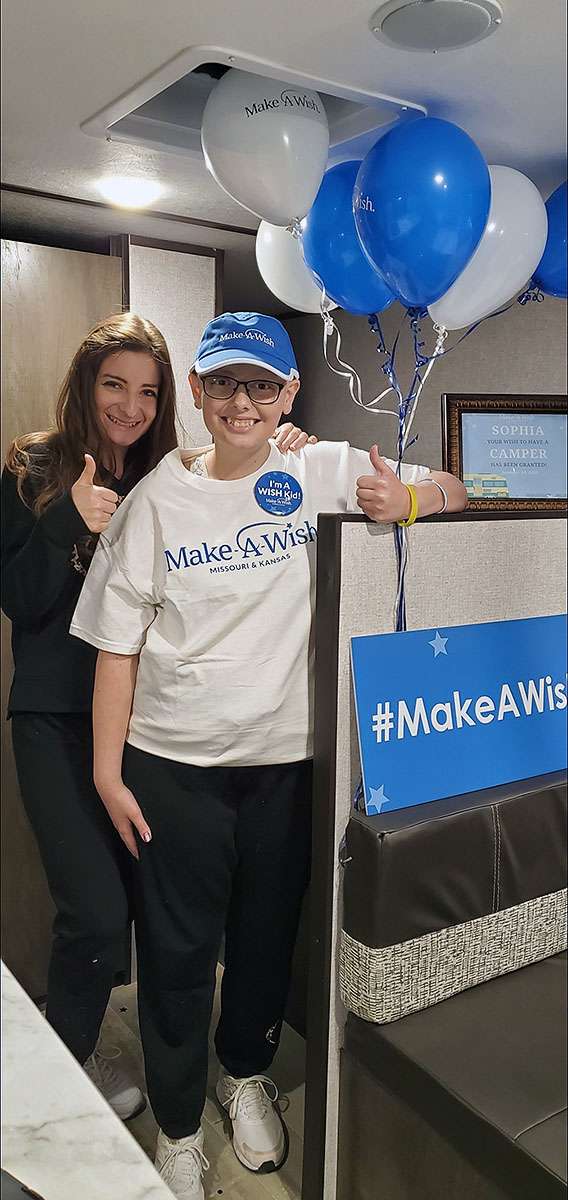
(115, 420)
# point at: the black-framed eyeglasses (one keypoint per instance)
(260, 391)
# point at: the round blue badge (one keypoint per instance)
(279, 493)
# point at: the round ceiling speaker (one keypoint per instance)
(433, 25)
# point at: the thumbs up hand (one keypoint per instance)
(382, 496)
(95, 504)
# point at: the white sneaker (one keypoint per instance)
(112, 1081)
(181, 1162)
(260, 1137)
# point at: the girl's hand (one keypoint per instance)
(95, 504)
(289, 437)
(382, 496)
(125, 814)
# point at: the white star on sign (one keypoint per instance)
(378, 800)
(438, 645)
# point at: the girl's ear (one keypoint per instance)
(291, 391)
(196, 388)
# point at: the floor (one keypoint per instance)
(226, 1177)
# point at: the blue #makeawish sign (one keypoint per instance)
(446, 711)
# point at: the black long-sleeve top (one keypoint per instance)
(42, 577)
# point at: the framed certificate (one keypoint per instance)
(510, 451)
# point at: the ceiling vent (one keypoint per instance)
(164, 111)
(433, 25)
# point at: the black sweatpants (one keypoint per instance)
(230, 853)
(87, 866)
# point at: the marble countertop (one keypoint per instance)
(59, 1137)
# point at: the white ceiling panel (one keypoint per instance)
(66, 61)
(63, 62)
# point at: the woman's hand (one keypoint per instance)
(382, 496)
(289, 437)
(95, 504)
(125, 814)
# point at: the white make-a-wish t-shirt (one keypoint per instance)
(213, 582)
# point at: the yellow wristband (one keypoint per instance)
(413, 506)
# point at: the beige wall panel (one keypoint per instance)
(459, 572)
(176, 291)
(50, 300)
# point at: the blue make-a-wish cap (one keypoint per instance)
(246, 337)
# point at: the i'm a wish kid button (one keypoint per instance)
(279, 493)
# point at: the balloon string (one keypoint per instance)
(413, 400)
(400, 533)
(330, 330)
(400, 538)
(407, 405)
(407, 411)
(354, 382)
(355, 389)
(295, 228)
(532, 292)
(375, 327)
(388, 367)
(401, 546)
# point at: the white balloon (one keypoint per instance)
(281, 264)
(266, 143)
(510, 249)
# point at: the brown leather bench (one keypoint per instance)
(465, 1100)
(453, 1077)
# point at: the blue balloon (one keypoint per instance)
(421, 204)
(550, 275)
(332, 249)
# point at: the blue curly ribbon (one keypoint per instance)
(532, 292)
(423, 363)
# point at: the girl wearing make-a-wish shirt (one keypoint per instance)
(200, 598)
(115, 421)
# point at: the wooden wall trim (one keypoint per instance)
(323, 855)
(197, 222)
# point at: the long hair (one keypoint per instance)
(48, 464)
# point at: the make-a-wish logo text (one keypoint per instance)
(254, 545)
(289, 98)
(363, 203)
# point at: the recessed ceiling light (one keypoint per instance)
(128, 192)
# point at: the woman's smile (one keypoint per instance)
(124, 424)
